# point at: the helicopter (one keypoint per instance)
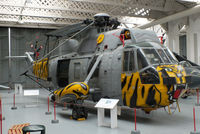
(103, 61)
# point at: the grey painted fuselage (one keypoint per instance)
(78, 62)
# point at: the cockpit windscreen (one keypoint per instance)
(152, 56)
(159, 56)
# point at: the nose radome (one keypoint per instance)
(194, 77)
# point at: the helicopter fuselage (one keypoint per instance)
(135, 68)
(140, 74)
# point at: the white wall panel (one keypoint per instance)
(193, 28)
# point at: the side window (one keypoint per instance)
(125, 65)
(63, 72)
(142, 63)
(77, 70)
(129, 62)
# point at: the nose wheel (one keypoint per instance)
(172, 108)
(79, 112)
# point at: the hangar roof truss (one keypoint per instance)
(56, 13)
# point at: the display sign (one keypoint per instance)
(107, 103)
(31, 92)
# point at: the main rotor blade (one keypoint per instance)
(67, 31)
(2, 86)
(83, 29)
(86, 27)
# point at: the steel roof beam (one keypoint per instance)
(120, 3)
(112, 13)
(178, 15)
(45, 16)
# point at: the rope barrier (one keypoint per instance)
(86, 105)
(92, 106)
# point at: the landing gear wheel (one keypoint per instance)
(74, 114)
(79, 112)
(171, 109)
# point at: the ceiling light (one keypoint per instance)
(196, 1)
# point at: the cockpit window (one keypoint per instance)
(149, 76)
(170, 55)
(142, 63)
(131, 61)
(163, 55)
(152, 56)
(126, 59)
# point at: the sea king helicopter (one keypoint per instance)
(103, 61)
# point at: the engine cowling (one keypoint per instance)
(72, 92)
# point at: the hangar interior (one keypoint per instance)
(26, 26)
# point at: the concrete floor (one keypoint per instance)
(158, 122)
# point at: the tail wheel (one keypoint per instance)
(74, 114)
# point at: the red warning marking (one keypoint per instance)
(17, 129)
(121, 37)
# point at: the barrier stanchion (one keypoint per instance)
(64, 106)
(135, 131)
(195, 132)
(55, 120)
(14, 107)
(48, 112)
(197, 104)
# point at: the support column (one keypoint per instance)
(9, 59)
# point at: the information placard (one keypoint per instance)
(31, 92)
(107, 103)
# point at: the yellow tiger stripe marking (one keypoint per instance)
(161, 90)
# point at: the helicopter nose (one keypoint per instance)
(194, 77)
(194, 82)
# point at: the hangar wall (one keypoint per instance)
(192, 32)
(21, 39)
